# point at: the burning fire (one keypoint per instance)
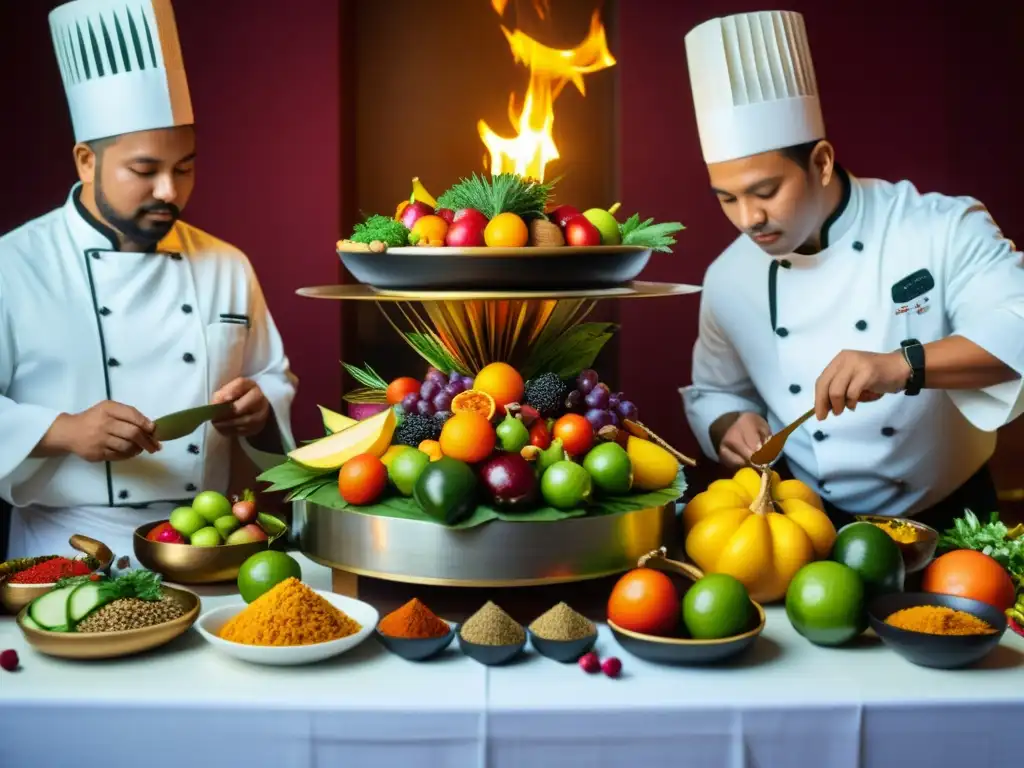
(533, 147)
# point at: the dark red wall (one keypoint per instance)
(907, 92)
(266, 89)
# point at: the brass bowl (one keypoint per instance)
(109, 645)
(185, 564)
(14, 597)
(916, 554)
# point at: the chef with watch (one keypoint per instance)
(840, 289)
(114, 312)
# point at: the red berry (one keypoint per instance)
(611, 666)
(589, 663)
(9, 660)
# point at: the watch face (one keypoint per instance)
(912, 286)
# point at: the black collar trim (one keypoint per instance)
(92, 221)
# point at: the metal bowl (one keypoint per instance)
(185, 564)
(110, 645)
(525, 269)
(916, 554)
(14, 597)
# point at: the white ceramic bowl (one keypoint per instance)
(211, 622)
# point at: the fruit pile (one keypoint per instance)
(212, 520)
(504, 211)
(462, 450)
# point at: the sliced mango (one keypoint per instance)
(335, 422)
(372, 435)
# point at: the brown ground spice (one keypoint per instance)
(562, 623)
(131, 613)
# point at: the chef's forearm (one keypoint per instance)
(55, 442)
(958, 363)
(720, 426)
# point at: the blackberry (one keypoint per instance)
(547, 394)
(414, 429)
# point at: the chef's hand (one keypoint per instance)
(745, 436)
(108, 431)
(858, 377)
(250, 408)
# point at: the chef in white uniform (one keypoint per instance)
(113, 312)
(840, 289)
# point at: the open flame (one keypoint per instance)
(533, 146)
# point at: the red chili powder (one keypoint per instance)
(49, 571)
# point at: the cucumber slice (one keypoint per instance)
(27, 622)
(51, 610)
(85, 599)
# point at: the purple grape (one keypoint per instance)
(431, 369)
(442, 401)
(454, 388)
(598, 418)
(613, 402)
(443, 415)
(454, 376)
(439, 378)
(467, 383)
(409, 401)
(627, 410)
(598, 398)
(574, 401)
(425, 408)
(429, 388)
(616, 421)
(587, 380)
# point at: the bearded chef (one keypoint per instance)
(113, 312)
(840, 289)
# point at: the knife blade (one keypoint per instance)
(176, 425)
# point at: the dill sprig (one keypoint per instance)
(501, 193)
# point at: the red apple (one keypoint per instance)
(247, 535)
(563, 214)
(447, 214)
(466, 233)
(415, 211)
(472, 214)
(244, 511)
(579, 231)
(166, 534)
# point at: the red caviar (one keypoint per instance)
(50, 571)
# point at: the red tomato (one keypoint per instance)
(539, 435)
(575, 432)
(362, 479)
(645, 600)
(971, 574)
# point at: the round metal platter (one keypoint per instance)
(633, 290)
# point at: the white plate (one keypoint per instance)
(210, 624)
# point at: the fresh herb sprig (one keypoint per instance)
(139, 583)
(657, 237)
(383, 228)
(367, 377)
(993, 538)
(501, 193)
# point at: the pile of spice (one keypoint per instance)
(562, 623)
(413, 621)
(289, 614)
(492, 626)
(51, 571)
(898, 530)
(938, 620)
(131, 613)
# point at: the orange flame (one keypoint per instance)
(533, 146)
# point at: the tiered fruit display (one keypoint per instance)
(504, 211)
(212, 520)
(461, 451)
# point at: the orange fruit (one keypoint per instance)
(432, 448)
(645, 600)
(400, 208)
(362, 479)
(431, 230)
(502, 382)
(400, 387)
(475, 401)
(468, 437)
(506, 230)
(575, 432)
(971, 574)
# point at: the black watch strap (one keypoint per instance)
(913, 353)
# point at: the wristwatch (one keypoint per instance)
(913, 353)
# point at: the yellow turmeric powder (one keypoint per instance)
(938, 620)
(289, 614)
(898, 531)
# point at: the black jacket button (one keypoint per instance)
(190, 488)
(112, 362)
(186, 308)
(193, 448)
(176, 256)
(862, 325)
(122, 494)
(782, 332)
(858, 245)
(888, 431)
(188, 358)
(794, 388)
(785, 264)
(819, 435)
(104, 311)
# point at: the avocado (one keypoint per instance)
(873, 554)
(446, 490)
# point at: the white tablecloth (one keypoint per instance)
(786, 704)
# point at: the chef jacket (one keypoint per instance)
(895, 265)
(82, 322)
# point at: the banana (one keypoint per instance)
(419, 192)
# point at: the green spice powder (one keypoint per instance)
(562, 623)
(492, 626)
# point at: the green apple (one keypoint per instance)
(186, 521)
(226, 524)
(606, 225)
(205, 537)
(211, 505)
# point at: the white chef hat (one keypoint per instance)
(122, 66)
(753, 84)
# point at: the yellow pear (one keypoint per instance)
(654, 468)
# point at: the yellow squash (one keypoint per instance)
(760, 529)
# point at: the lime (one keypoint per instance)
(566, 485)
(392, 452)
(825, 603)
(873, 554)
(610, 468)
(716, 606)
(264, 571)
(405, 468)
